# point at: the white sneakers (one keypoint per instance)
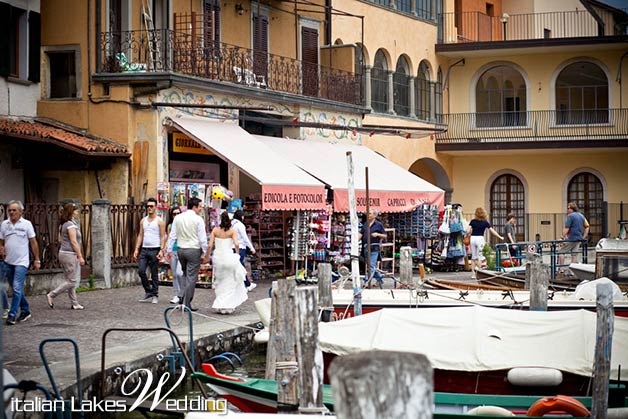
(175, 300)
(251, 287)
(5, 313)
(155, 300)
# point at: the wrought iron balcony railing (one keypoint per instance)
(170, 51)
(535, 126)
(479, 27)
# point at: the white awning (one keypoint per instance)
(284, 185)
(391, 187)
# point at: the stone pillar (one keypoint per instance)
(391, 93)
(367, 87)
(101, 243)
(411, 98)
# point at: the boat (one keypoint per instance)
(611, 261)
(256, 395)
(583, 271)
(376, 299)
(518, 280)
(480, 350)
(465, 285)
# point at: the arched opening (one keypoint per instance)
(438, 96)
(582, 94)
(423, 92)
(587, 191)
(431, 171)
(401, 82)
(500, 98)
(508, 196)
(379, 83)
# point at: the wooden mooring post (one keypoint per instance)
(537, 280)
(382, 384)
(309, 355)
(325, 300)
(271, 354)
(284, 342)
(603, 348)
(405, 266)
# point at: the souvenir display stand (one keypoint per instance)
(267, 233)
(387, 252)
(448, 254)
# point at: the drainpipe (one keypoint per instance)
(446, 81)
(619, 71)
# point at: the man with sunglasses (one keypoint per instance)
(150, 244)
(16, 234)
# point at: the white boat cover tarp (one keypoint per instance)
(479, 338)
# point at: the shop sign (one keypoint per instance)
(387, 201)
(181, 143)
(293, 197)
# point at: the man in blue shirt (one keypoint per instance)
(377, 232)
(576, 228)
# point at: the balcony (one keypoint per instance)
(163, 50)
(478, 27)
(534, 129)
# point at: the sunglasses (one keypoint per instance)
(150, 206)
(12, 210)
(176, 213)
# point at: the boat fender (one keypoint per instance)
(559, 404)
(537, 377)
(210, 370)
(490, 410)
(261, 337)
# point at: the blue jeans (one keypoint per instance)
(242, 256)
(148, 259)
(374, 272)
(3, 287)
(16, 276)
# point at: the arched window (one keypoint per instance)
(508, 195)
(586, 190)
(581, 94)
(500, 98)
(400, 87)
(423, 93)
(379, 83)
(438, 96)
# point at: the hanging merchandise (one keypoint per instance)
(163, 195)
(299, 236)
(179, 197)
(444, 227)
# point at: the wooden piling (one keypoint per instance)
(271, 354)
(382, 384)
(405, 266)
(325, 300)
(603, 347)
(537, 275)
(308, 351)
(284, 342)
(355, 252)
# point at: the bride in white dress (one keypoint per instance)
(229, 274)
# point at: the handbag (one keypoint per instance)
(455, 227)
(466, 240)
(444, 227)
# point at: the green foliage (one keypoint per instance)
(91, 285)
(489, 254)
(91, 282)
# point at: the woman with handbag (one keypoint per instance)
(477, 227)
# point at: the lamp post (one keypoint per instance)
(504, 20)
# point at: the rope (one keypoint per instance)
(222, 320)
(285, 365)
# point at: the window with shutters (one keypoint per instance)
(379, 83)
(260, 42)
(508, 196)
(309, 60)
(586, 190)
(19, 43)
(401, 86)
(423, 92)
(211, 25)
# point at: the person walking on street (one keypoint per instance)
(245, 243)
(576, 228)
(70, 255)
(376, 229)
(188, 230)
(149, 246)
(16, 234)
(175, 266)
(477, 227)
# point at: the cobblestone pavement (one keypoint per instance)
(117, 308)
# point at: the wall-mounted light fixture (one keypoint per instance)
(504, 20)
(239, 9)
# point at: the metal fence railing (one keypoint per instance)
(125, 222)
